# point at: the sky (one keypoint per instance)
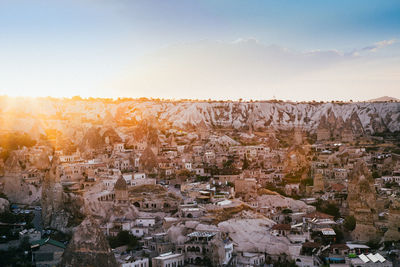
(226, 49)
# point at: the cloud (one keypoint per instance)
(379, 45)
(247, 68)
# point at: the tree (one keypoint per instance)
(245, 163)
(375, 174)
(123, 238)
(328, 208)
(349, 223)
(339, 235)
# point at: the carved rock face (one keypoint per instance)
(43, 162)
(148, 161)
(362, 203)
(13, 164)
(92, 140)
(88, 247)
(60, 210)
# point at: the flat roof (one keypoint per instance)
(170, 219)
(328, 231)
(380, 257)
(353, 246)
(363, 258)
(191, 209)
(372, 257)
(201, 234)
(160, 234)
(250, 254)
(168, 255)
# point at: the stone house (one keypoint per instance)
(158, 243)
(250, 259)
(281, 229)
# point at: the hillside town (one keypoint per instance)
(117, 191)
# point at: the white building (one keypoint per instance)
(228, 252)
(250, 259)
(188, 166)
(130, 261)
(146, 222)
(139, 231)
(139, 175)
(169, 260)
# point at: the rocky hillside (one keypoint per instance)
(371, 117)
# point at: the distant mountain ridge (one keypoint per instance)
(370, 117)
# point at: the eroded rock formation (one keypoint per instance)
(362, 202)
(60, 210)
(148, 160)
(92, 140)
(88, 247)
(393, 234)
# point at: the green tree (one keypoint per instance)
(339, 234)
(349, 223)
(123, 238)
(375, 175)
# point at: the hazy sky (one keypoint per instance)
(297, 50)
